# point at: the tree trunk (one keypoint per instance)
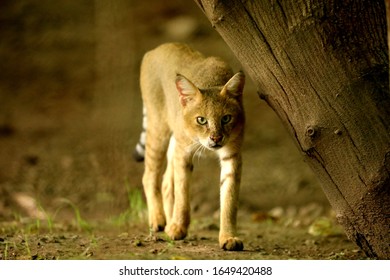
(323, 67)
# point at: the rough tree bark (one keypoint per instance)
(323, 67)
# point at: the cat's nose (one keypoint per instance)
(216, 139)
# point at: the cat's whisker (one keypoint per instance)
(198, 151)
(192, 149)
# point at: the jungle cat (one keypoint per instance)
(191, 103)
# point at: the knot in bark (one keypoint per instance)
(312, 132)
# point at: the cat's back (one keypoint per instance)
(170, 59)
(174, 53)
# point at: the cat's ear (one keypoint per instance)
(187, 90)
(235, 86)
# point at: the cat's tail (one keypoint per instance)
(139, 151)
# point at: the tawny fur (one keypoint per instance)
(192, 103)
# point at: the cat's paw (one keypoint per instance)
(157, 223)
(231, 244)
(176, 232)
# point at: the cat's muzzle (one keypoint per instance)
(215, 142)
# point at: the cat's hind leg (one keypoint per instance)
(168, 186)
(177, 227)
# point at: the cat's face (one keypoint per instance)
(213, 117)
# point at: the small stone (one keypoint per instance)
(153, 251)
(276, 212)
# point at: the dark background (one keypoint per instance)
(70, 111)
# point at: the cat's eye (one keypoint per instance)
(201, 120)
(226, 119)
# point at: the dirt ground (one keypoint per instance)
(70, 115)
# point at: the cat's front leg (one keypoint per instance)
(156, 146)
(229, 193)
(178, 225)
